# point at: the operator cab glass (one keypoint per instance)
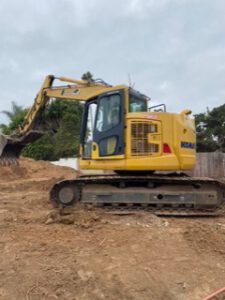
(108, 115)
(89, 130)
(103, 125)
(137, 103)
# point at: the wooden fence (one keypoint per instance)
(210, 165)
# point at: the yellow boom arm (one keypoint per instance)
(77, 90)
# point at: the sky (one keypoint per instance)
(171, 50)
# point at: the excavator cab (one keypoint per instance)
(103, 124)
(119, 133)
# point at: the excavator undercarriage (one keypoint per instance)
(162, 195)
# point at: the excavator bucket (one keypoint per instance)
(3, 142)
(9, 150)
(12, 145)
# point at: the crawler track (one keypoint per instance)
(163, 195)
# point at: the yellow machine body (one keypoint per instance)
(145, 150)
(153, 141)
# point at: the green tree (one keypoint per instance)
(210, 128)
(43, 149)
(15, 116)
(60, 122)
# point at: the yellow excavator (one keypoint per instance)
(148, 149)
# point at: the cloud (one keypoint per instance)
(172, 49)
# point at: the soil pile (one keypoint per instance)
(29, 168)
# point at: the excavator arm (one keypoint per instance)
(75, 90)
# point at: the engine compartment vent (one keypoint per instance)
(140, 131)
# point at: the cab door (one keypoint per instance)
(109, 124)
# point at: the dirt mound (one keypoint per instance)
(29, 168)
(24, 189)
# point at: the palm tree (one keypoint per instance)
(15, 110)
(16, 116)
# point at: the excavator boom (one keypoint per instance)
(75, 90)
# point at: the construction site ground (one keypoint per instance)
(87, 253)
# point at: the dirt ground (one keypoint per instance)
(90, 254)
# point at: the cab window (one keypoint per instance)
(89, 130)
(108, 115)
(137, 104)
